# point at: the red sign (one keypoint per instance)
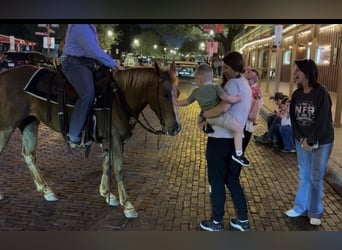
(208, 27)
(219, 28)
(212, 47)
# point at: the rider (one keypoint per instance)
(83, 52)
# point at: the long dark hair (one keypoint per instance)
(309, 68)
(236, 62)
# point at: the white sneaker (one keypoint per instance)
(315, 221)
(291, 213)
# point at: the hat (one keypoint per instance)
(308, 67)
(278, 96)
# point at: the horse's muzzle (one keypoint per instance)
(173, 130)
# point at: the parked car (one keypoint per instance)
(186, 68)
(130, 60)
(11, 59)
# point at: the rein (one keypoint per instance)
(148, 127)
(162, 122)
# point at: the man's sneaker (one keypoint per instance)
(242, 160)
(73, 144)
(315, 221)
(242, 226)
(210, 225)
(288, 150)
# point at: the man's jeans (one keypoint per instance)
(312, 167)
(79, 71)
(286, 135)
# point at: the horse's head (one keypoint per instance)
(163, 105)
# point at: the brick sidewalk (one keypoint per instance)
(167, 185)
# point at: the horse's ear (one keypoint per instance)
(173, 67)
(156, 67)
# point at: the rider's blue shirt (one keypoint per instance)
(81, 40)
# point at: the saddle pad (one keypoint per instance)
(39, 87)
(43, 85)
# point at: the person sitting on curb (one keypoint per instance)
(273, 120)
(285, 129)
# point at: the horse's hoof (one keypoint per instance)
(50, 197)
(130, 213)
(1, 197)
(112, 201)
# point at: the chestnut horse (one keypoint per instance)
(140, 87)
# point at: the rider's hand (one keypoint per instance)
(118, 66)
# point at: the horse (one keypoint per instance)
(139, 87)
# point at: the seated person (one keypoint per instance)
(273, 120)
(285, 129)
(208, 96)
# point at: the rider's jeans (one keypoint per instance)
(79, 72)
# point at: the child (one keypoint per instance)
(208, 95)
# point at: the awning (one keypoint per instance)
(6, 39)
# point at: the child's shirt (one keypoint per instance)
(207, 96)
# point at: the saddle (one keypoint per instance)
(53, 87)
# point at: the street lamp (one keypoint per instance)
(110, 39)
(165, 56)
(136, 44)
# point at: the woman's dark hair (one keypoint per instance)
(235, 61)
(309, 68)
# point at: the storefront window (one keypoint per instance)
(287, 57)
(323, 55)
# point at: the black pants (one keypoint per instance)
(246, 139)
(223, 171)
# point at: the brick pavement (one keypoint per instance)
(166, 184)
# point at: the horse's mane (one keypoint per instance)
(136, 78)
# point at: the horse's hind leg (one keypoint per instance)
(30, 140)
(4, 137)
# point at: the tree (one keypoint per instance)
(189, 46)
(195, 32)
(106, 35)
(127, 31)
(147, 41)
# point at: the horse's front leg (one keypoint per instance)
(30, 139)
(129, 209)
(116, 158)
(105, 185)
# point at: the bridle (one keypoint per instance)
(145, 125)
(149, 127)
